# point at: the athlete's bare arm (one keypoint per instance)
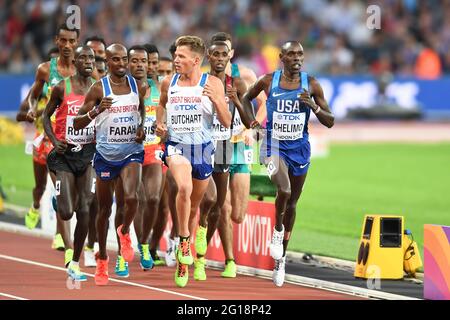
(250, 78)
(88, 110)
(41, 77)
(55, 101)
(235, 94)
(22, 114)
(161, 127)
(215, 92)
(140, 133)
(261, 85)
(319, 106)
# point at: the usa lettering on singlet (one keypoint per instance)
(116, 127)
(287, 116)
(65, 114)
(189, 113)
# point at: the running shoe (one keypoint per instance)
(146, 258)
(58, 242)
(121, 269)
(279, 272)
(230, 270)
(199, 269)
(32, 218)
(68, 256)
(157, 261)
(184, 255)
(181, 275)
(200, 241)
(75, 273)
(126, 249)
(170, 258)
(89, 257)
(276, 244)
(101, 271)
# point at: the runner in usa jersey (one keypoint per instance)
(286, 150)
(116, 102)
(190, 99)
(70, 160)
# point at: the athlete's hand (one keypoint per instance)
(140, 134)
(105, 104)
(257, 132)
(305, 97)
(231, 93)
(211, 92)
(31, 116)
(248, 137)
(60, 146)
(161, 130)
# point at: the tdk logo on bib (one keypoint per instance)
(291, 117)
(186, 107)
(123, 119)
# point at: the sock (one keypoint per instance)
(228, 260)
(184, 238)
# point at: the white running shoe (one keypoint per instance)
(279, 272)
(89, 257)
(171, 260)
(276, 244)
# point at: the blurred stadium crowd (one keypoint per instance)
(414, 38)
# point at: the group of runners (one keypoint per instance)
(165, 135)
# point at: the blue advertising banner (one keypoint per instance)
(341, 92)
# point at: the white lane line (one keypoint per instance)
(11, 296)
(49, 266)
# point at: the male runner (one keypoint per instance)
(165, 67)
(191, 98)
(48, 74)
(286, 149)
(119, 118)
(218, 56)
(73, 151)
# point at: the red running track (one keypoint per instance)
(30, 269)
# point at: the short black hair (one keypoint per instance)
(95, 38)
(64, 26)
(99, 59)
(221, 36)
(165, 59)
(137, 47)
(172, 49)
(151, 48)
(81, 48)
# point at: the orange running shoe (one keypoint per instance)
(101, 271)
(126, 249)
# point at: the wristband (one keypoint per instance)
(317, 110)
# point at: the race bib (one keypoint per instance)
(172, 150)
(288, 126)
(248, 156)
(183, 121)
(82, 136)
(238, 126)
(220, 132)
(122, 128)
(150, 130)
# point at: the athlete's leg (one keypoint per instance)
(181, 171)
(152, 178)
(280, 178)
(225, 227)
(92, 234)
(130, 176)
(297, 183)
(240, 189)
(62, 226)
(66, 194)
(172, 191)
(161, 219)
(84, 187)
(120, 208)
(221, 181)
(138, 219)
(104, 192)
(207, 203)
(40, 180)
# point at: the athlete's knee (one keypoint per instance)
(237, 216)
(284, 192)
(185, 190)
(209, 199)
(152, 200)
(65, 211)
(131, 199)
